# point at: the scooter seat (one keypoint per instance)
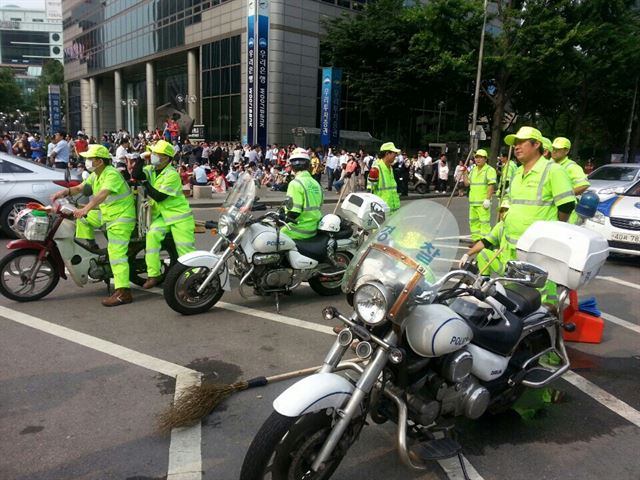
(498, 337)
(527, 299)
(315, 247)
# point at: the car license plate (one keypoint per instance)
(626, 237)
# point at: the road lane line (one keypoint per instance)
(118, 351)
(253, 312)
(185, 459)
(623, 323)
(603, 397)
(619, 282)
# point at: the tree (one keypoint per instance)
(52, 74)
(10, 91)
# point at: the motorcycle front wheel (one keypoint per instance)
(285, 448)
(15, 276)
(328, 286)
(181, 289)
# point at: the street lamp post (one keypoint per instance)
(441, 105)
(476, 98)
(130, 103)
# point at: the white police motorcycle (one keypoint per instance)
(254, 252)
(436, 344)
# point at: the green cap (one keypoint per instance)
(482, 153)
(561, 142)
(546, 144)
(525, 133)
(96, 151)
(163, 148)
(389, 147)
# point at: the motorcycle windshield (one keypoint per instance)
(241, 197)
(415, 247)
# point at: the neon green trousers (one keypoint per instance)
(118, 235)
(183, 233)
(479, 221)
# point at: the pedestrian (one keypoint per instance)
(59, 157)
(481, 182)
(443, 174)
(381, 180)
(458, 176)
(331, 165)
(589, 166)
(316, 167)
(199, 176)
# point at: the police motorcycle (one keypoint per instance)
(256, 255)
(436, 344)
(47, 250)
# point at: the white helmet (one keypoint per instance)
(330, 223)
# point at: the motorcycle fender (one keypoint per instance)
(202, 258)
(30, 245)
(314, 393)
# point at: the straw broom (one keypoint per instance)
(198, 401)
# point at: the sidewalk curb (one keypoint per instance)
(328, 201)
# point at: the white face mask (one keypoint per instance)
(155, 160)
(88, 164)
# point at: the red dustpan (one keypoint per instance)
(588, 329)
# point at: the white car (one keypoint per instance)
(607, 179)
(23, 181)
(618, 220)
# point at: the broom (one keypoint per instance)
(198, 401)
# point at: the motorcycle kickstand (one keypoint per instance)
(465, 475)
(277, 295)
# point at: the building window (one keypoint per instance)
(221, 107)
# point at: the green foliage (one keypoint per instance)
(52, 74)
(10, 92)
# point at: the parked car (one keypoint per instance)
(606, 179)
(618, 220)
(23, 181)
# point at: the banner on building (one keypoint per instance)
(251, 70)
(263, 71)
(330, 97)
(55, 108)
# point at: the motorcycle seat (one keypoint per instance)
(315, 247)
(526, 298)
(498, 337)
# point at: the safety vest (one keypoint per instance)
(575, 172)
(120, 203)
(534, 196)
(175, 207)
(307, 197)
(385, 187)
(485, 256)
(479, 181)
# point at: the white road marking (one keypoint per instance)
(274, 317)
(605, 398)
(185, 459)
(619, 282)
(452, 468)
(623, 323)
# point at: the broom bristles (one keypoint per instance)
(195, 403)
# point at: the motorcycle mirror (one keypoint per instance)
(588, 205)
(288, 203)
(526, 273)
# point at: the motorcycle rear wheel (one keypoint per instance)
(180, 289)
(285, 447)
(12, 268)
(329, 286)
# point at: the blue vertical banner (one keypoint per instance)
(263, 71)
(325, 107)
(251, 72)
(55, 108)
(336, 97)
(330, 97)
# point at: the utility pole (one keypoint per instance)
(473, 143)
(625, 157)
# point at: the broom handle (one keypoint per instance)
(495, 255)
(339, 199)
(262, 381)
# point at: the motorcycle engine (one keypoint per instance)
(278, 278)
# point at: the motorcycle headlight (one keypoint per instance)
(598, 218)
(371, 302)
(226, 225)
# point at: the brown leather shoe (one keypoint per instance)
(121, 296)
(151, 282)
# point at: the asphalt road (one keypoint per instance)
(68, 410)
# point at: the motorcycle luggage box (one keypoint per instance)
(572, 255)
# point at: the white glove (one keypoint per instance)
(486, 204)
(463, 260)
